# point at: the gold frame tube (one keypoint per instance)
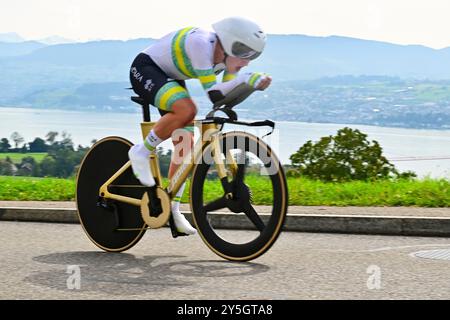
(209, 133)
(232, 164)
(104, 192)
(220, 165)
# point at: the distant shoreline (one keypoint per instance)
(156, 116)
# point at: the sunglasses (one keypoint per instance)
(242, 51)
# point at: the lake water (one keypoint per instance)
(426, 152)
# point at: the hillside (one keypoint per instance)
(93, 75)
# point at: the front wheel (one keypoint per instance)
(253, 170)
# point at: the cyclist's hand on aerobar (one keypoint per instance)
(264, 83)
(259, 81)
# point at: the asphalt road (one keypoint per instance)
(57, 261)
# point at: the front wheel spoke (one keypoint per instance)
(241, 168)
(251, 213)
(215, 205)
(240, 174)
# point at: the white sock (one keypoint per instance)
(176, 201)
(152, 141)
(181, 223)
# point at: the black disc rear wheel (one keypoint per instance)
(111, 225)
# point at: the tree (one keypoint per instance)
(65, 143)
(23, 149)
(51, 136)
(66, 140)
(28, 167)
(62, 159)
(343, 157)
(7, 167)
(47, 167)
(4, 145)
(17, 138)
(38, 145)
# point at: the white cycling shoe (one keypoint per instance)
(140, 164)
(182, 224)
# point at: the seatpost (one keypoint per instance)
(146, 112)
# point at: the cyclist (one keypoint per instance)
(158, 73)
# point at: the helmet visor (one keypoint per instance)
(242, 51)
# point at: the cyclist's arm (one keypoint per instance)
(217, 91)
(228, 76)
(204, 71)
(220, 90)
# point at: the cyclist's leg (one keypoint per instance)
(182, 139)
(183, 142)
(152, 84)
(176, 116)
(146, 78)
(183, 111)
(177, 110)
(169, 96)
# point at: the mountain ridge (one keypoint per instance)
(287, 57)
(93, 74)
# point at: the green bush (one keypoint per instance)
(346, 156)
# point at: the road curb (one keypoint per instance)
(356, 224)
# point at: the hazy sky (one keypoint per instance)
(424, 22)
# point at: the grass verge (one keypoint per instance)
(17, 157)
(302, 192)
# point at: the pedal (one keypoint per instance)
(104, 204)
(173, 228)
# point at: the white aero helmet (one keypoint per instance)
(240, 37)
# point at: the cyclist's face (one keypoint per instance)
(235, 64)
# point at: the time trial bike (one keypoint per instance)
(227, 168)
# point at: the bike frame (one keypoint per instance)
(210, 133)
